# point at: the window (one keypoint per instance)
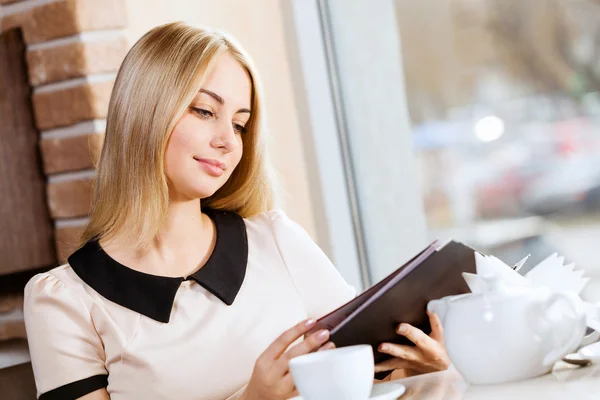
(471, 119)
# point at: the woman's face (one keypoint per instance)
(206, 143)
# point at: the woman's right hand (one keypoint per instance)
(271, 378)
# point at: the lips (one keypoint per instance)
(211, 166)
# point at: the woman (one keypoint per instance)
(187, 283)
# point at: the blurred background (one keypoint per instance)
(391, 124)
(492, 105)
(504, 104)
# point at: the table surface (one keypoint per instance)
(563, 382)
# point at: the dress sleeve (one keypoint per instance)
(319, 283)
(67, 354)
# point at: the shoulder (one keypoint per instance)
(60, 283)
(274, 231)
(275, 226)
(265, 217)
(62, 276)
(271, 222)
(61, 332)
(53, 279)
(320, 285)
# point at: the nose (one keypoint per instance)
(224, 138)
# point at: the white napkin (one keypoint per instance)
(554, 274)
(550, 273)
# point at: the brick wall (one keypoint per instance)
(74, 48)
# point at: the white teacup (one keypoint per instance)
(345, 373)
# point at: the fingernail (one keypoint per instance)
(383, 347)
(309, 323)
(323, 335)
(401, 329)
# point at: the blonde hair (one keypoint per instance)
(155, 84)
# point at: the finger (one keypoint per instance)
(437, 331)
(327, 346)
(288, 386)
(293, 391)
(416, 336)
(276, 349)
(407, 353)
(391, 364)
(311, 343)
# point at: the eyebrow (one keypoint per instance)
(220, 100)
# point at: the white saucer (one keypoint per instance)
(382, 391)
(387, 391)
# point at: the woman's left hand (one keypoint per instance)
(428, 355)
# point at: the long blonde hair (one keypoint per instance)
(155, 84)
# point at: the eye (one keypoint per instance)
(239, 128)
(203, 113)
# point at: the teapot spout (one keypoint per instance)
(441, 306)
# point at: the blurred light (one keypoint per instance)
(488, 129)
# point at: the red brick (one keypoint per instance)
(45, 22)
(10, 302)
(71, 153)
(67, 106)
(94, 15)
(68, 17)
(75, 60)
(12, 325)
(70, 198)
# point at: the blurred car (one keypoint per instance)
(573, 184)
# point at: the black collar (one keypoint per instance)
(153, 295)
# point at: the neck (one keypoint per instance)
(182, 246)
(184, 226)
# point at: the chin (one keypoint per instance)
(198, 189)
(203, 191)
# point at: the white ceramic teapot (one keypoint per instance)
(508, 333)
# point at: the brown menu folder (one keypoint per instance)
(402, 296)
